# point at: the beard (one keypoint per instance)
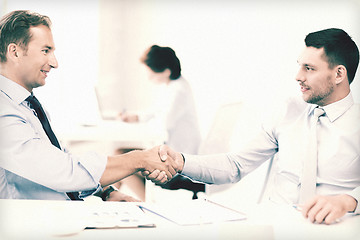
(321, 95)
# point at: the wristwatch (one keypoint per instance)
(105, 194)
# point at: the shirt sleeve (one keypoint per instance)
(25, 152)
(210, 169)
(230, 167)
(356, 194)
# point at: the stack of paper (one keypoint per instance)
(118, 215)
(194, 212)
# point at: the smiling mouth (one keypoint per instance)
(304, 88)
(44, 72)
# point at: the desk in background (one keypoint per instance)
(116, 133)
(38, 219)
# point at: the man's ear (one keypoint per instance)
(13, 51)
(341, 74)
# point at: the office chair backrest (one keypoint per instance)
(221, 130)
(232, 126)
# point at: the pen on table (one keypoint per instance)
(154, 212)
(220, 205)
(297, 207)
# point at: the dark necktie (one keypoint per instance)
(35, 104)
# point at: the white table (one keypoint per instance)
(28, 219)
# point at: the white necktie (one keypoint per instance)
(309, 174)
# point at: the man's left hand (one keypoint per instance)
(121, 197)
(328, 209)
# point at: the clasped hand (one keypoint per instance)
(167, 156)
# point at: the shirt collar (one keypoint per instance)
(337, 109)
(13, 90)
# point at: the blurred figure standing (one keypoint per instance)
(174, 109)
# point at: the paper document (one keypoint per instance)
(194, 212)
(118, 215)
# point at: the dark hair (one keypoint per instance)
(15, 28)
(160, 58)
(339, 48)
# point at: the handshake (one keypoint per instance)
(159, 164)
(162, 164)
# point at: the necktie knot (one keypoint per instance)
(318, 112)
(34, 103)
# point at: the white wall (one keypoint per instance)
(229, 50)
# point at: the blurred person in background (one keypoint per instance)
(173, 110)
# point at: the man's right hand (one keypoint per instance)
(127, 117)
(124, 165)
(164, 168)
(166, 154)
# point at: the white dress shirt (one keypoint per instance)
(174, 112)
(286, 134)
(30, 166)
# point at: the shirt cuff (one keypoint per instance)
(85, 194)
(356, 194)
(193, 168)
(189, 165)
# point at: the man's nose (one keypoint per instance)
(53, 62)
(300, 77)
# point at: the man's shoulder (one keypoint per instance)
(8, 106)
(354, 112)
(356, 107)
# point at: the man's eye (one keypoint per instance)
(309, 68)
(45, 51)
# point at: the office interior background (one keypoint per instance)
(229, 50)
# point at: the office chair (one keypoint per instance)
(233, 124)
(221, 130)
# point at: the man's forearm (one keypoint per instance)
(124, 165)
(119, 167)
